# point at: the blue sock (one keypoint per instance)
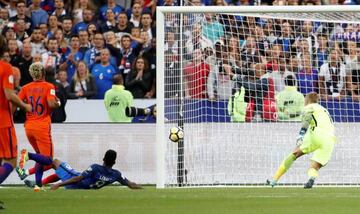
(39, 170)
(5, 171)
(41, 159)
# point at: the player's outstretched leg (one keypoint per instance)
(313, 173)
(285, 166)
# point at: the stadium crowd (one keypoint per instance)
(84, 43)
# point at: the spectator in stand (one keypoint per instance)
(83, 84)
(117, 99)
(322, 52)
(123, 25)
(274, 55)
(139, 80)
(92, 29)
(21, 33)
(9, 32)
(21, 14)
(92, 55)
(58, 115)
(196, 75)
(88, 16)
(234, 54)
(62, 43)
(197, 40)
(11, 7)
(4, 18)
(251, 53)
(109, 24)
(103, 73)
(170, 43)
(212, 29)
(71, 57)
(85, 44)
(38, 15)
(308, 36)
(111, 39)
(128, 55)
(111, 4)
(62, 78)
(52, 25)
(44, 29)
(135, 16)
(307, 76)
(219, 82)
(352, 66)
(37, 43)
(287, 38)
(51, 58)
(332, 77)
(59, 11)
(289, 102)
(78, 8)
(23, 62)
(280, 75)
(146, 25)
(66, 26)
(13, 49)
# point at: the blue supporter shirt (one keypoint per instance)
(117, 9)
(307, 82)
(79, 27)
(103, 77)
(98, 176)
(70, 66)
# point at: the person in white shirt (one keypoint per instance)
(332, 77)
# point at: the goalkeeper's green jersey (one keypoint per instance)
(289, 104)
(318, 118)
(116, 100)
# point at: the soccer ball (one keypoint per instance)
(176, 134)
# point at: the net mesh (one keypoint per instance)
(235, 83)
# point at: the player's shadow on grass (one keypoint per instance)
(2, 206)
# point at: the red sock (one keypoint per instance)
(32, 170)
(50, 179)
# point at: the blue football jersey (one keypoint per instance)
(98, 176)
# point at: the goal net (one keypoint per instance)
(234, 78)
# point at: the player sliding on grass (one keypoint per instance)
(317, 135)
(95, 177)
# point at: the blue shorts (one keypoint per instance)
(65, 172)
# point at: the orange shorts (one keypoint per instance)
(40, 141)
(8, 143)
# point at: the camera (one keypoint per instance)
(134, 111)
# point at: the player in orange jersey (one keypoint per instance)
(8, 142)
(41, 96)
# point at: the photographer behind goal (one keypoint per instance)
(119, 104)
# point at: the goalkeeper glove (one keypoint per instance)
(300, 138)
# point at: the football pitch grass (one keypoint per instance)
(191, 200)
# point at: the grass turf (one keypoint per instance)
(172, 201)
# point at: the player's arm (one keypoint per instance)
(132, 185)
(12, 97)
(305, 123)
(53, 101)
(67, 182)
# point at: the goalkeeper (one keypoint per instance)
(317, 135)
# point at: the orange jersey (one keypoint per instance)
(37, 94)
(6, 82)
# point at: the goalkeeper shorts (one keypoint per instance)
(322, 145)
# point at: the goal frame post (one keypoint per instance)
(160, 58)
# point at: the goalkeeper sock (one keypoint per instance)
(313, 173)
(284, 166)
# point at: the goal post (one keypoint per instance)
(221, 73)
